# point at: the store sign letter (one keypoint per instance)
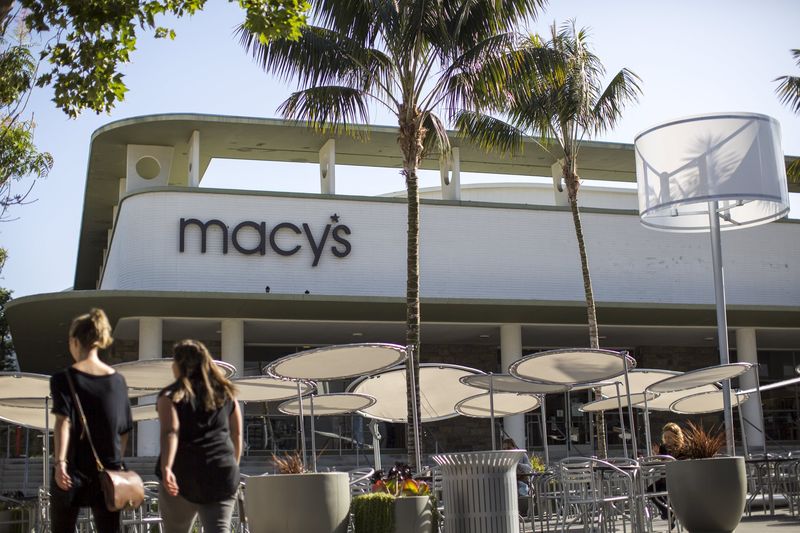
(284, 239)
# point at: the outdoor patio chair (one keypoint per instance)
(360, 481)
(653, 490)
(146, 518)
(760, 482)
(546, 501)
(597, 494)
(788, 480)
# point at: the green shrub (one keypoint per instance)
(373, 513)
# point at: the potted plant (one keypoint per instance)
(706, 491)
(295, 500)
(398, 504)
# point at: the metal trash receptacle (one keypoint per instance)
(480, 491)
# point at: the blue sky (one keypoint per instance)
(694, 57)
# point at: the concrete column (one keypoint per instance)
(510, 351)
(327, 167)
(450, 173)
(232, 330)
(747, 352)
(150, 347)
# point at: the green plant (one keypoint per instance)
(373, 513)
(702, 444)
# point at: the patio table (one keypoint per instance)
(770, 464)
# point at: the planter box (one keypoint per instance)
(413, 514)
(708, 495)
(298, 503)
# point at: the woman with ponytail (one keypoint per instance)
(103, 394)
(201, 443)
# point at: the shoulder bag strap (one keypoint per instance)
(77, 401)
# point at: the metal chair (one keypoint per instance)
(653, 490)
(360, 481)
(598, 494)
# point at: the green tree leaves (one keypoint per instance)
(90, 39)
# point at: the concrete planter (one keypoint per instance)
(413, 514)
(708, 495)
(298, 503)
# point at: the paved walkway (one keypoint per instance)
(782, 522)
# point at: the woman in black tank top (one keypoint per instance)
(200, 443)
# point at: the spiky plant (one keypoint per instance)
(702, 444)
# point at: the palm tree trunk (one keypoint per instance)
(411, 135)
(573, 182)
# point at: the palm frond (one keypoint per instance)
(789, 92)
(319, 56)
(469, 22)
(489, 133)
(478, 76)
(793, 171)
(622, 89)
(361, 20)
(329, 109)
(436, 140)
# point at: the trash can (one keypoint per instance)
(479, 491)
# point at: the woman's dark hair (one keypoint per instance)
(92, 330)
(196, 369)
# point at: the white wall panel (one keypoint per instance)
(467, 252)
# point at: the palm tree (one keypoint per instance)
(789, 92)
(414, 58)
(563, 104)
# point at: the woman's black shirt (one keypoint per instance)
(108, 414)
(204, 466)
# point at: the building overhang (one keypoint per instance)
(40, 322)
(261, 139)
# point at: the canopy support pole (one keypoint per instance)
(568, 420)
(543, 410)
(722, 320)
(630, 406)
(647, 435)
(621, 421)
(314, 438)
(491, 409)
(302, 425)
(46, 444)
(741, 424)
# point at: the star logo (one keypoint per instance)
(335, 217)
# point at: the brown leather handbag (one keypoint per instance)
(122, 489)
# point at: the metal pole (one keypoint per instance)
(722, 320)
(314, 438)
(568, 420)
(621, 421)
(302, 425)
(647, 435)
(544, 430)
(491, 409)
(630, 407)
(415, 419)
(741, 425)
(376, 443)
(46, 454)
(761, 406)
